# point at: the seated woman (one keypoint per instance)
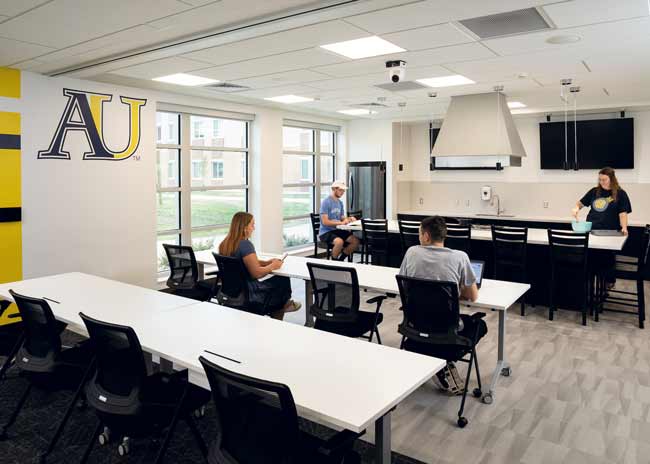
(237, 244)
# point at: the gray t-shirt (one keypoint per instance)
(438, 263)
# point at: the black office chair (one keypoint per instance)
(128, 402)
(570, 276)
(375, 241)
(258, 423)
(318, 243)
(631, 268)
(510, 246)
(234, 291)
(430, 327)
(184, 274)
(459, 237)
(12, 336)
(45, 364)
(409, 233)
(336, 303)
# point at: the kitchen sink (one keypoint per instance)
(496, 215)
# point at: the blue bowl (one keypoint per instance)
(581, 226)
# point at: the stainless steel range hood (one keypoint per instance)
(479, 130)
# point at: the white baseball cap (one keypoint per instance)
(339, 184)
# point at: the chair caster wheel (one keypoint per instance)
(104, 437)
(506, 371)
(199, 413)
(487, 398)
(462, 422)
(477, 393)
(123, 448)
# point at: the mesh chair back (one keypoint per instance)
(183, 270)
(375, 239)
(510, 245)
(358, 214)
(121, 369)
(234, 277)
(459, 237)
(42, 343)
(409, 233)
(257, 419)
(431, 310)
(336, 292)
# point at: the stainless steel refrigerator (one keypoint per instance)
(367, 188)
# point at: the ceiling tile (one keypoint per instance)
(297, 89)
(592, 37)
(451, 54)
(3, 18)
(581, 12)
(431, 12)
(62, 23)
(286, 41)
(282, 79)
(271, 64)
(12, 51)
(15, 7)
(159, 68)
(429, 37)
(358, 81)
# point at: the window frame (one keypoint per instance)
(316, 184)
(185, 188)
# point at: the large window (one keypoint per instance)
(202, 178)
(308, 170)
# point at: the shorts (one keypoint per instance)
(328, 237)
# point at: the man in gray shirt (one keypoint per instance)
(431, 260)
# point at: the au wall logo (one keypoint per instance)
(84, 112)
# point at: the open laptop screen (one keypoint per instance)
(477, 267)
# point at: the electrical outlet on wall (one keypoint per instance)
(467, 203)
(545, 204)
(421, 200)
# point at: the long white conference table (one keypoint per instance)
(535, 236)
(494, 295)
(315, 365)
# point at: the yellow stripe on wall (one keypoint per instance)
(9, 82)
(9, 122)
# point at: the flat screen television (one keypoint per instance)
(601, 142)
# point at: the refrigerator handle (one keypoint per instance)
(351, 182)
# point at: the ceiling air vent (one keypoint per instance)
(371, 105)
(401, 86)
(511, 22)
(226, 87)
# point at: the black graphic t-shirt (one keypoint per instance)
(604, 209)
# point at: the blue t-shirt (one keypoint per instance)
(334, 210)
(244, 249)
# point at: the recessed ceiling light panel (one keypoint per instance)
(357, 112)
(363, 48)
(563, 39)
(446, 81)
(514, 105)
(185, 79)
(289, 99)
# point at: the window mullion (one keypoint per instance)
(186, 181)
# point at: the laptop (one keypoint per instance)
(607, 233)
(478, 267)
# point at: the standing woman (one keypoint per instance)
(609, 203)
(237, 243)
(610, 206)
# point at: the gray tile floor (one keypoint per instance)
(577, 394)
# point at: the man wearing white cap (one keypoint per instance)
(343, 242)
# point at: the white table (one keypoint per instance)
(494, 295)
(535, 236)
(316, 365)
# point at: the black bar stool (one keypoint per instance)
(375, 239)
(510, 245)
(315, 227)
(409, 233)
(459, 237)
(569, 270)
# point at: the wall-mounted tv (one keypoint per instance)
(601, 142)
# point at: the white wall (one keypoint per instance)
(100, 216)
(524, 189)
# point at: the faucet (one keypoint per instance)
(499, 210)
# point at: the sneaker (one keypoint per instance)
(457, 380)
(293, 306)
(446, 381)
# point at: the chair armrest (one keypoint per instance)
(477, 316)
(215, 273)
(339, 443)
(376, 299)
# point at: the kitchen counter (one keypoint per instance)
(560, 219)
